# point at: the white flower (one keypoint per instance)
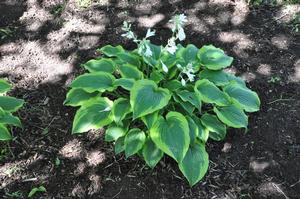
(171, 46)
(181, 34)
(164, 67)
(150, 33)
(183, 82)
(148, 52)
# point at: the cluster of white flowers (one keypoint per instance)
(143, 45)
(188, 70)
(177, 24)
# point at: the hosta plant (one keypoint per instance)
(162, 100)
(8, 105)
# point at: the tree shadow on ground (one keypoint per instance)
(43, 57)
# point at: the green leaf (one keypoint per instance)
(193, 129)
(111, 51)
(100, 65)
(217, 129)
(232, 116)
(187, 106)
(209, 93)
(214, 58)
(130, 71)
(171, 135)
(113, 133)
(36, 190)
(151, 153)
(189, 54)
(91, 82)
(93, 115)
(195, 163)
(150, 119)
(203, 131)
(156, 76)
(146, 97)
(4, 86)
(188, 96)
(119, 145)
(8, 118)
(219, 77)
(173, 85)
(129, 58)
(10, 104)
(120, 109)
(134, 141)
(4, 133)
(78, 96)
(124, 83)
(156, 51)
(244, 97)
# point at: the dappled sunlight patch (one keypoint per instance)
(95, 184)
(32, 59)
(287, 13)
(62, 38)
(81, 166)
(281, 41)
(264, 69)
(271, 189)
(35, 10)
(296, 76)
(73, 149)
(95, 158)
(241, 11)
(259, 166)
(248, 76)
(151, 21)
(78, 191)
(201, 26)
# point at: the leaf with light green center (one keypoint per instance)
(203, 132)
(187, 106)
(77, 97)
(111, 51)
(209, 93)
(151, 153)
(156, 76)
(4, 133)
(244, 97)
(93, 115)
(91, 82)
(119, 145)
(191, 97)
(188, 54)
(193, 129)
(8, 118)
(150, 119)
(124, 83)
(10, 104)
(212, 123)
(113, 133)
(220, 78)
(146, 97)
(195, 163)
(134, 141)
(129, 58)
(130, 71)
(100, 65)
(232, 116)
(171, 135)
(173, 85)
(4, 86)
(214, 58)
(120, 109)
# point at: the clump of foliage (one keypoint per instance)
(8, 105)
(295, 23)
(158, 100)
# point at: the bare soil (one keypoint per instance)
(43, 54)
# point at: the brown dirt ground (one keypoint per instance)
(43, 54)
